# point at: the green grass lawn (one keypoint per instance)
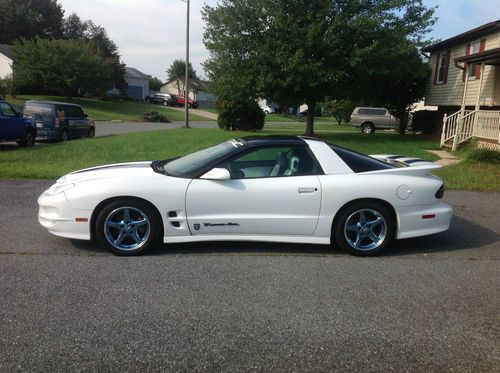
(52, 160)
(111, 110)
(55, 159)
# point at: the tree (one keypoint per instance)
(98, 39)
(398, 68)
(300, 51)
(29, 19)
(340, 109)
(154, 83)
(66, 66)
(177, 72)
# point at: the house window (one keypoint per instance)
(474, 48)
(441, 68)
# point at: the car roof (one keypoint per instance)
(274, 140)
(52, 103)
(371, 107)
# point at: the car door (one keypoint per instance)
(9, 122)
(265, 195)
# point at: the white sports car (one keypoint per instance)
(275, 188)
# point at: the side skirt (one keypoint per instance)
(262, 238)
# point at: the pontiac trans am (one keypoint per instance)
(275, 188)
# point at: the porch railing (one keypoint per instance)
(483, 124)
(450, 126)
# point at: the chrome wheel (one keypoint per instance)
(127, 228)
(365, 229)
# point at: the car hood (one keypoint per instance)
(132, 169)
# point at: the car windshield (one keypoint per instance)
(191, 164)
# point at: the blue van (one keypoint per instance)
(60, 120)
(15, 127)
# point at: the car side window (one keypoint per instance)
(73, 112)
(7, 110)
(273, 161)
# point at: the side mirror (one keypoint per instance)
(85, 115)
(217, 174)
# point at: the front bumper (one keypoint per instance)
(418, 221)
(58, 216)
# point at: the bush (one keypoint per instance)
(240, 116)
(154, 116)
(484, 156)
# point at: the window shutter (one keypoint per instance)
(447, 66)
(482, 45)
(467, 52)
(436, 70)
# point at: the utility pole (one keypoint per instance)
(186, 77)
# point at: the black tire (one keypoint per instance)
(91, 132)
(28, 138)
(65, 136)
(367, 128)
(137, 239)
(346, 233)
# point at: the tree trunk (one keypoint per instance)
(402, 116)
(311, 108)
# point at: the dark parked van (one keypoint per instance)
(60, 120)
(15, 127)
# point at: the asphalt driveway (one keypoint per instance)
(429, 304)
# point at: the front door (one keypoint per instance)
(272, 191)
(9, 122)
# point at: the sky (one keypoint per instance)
(150, 34)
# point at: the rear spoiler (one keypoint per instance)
(405, 165)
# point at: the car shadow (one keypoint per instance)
(463, 235)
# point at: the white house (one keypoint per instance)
(197, 91)
(6, 60)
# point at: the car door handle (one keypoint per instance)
(307, 190)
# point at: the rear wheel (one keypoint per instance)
(65, 136)
(128, 227)
(367, 128)
(28, 138)
(364, 228)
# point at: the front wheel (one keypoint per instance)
(128, 227)
(364, 228)
(91, 132)
(28, 138)
(65, 136)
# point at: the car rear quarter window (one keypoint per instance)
(46, 111)
(372, 111)
(360, 162)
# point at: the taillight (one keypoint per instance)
(57, 123)
(440, 192)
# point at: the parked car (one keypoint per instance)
(181, 101)
(257, 188)
(368, 119)
(160, 98)
(303, 113)
(15, 127)
(60, 120)
(266, 109)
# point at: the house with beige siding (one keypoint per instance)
(465, 85)
(6, 60)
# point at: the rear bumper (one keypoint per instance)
(43, 133)
(418, 221)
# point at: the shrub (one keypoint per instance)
(154, 116)
(484, 156)
(242, 116)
